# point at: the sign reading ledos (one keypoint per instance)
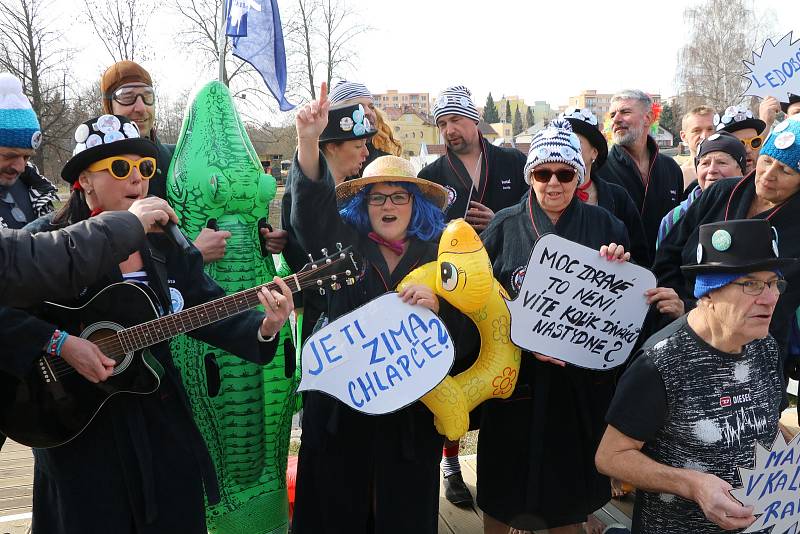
(772, 486)
(380, 357)
(577, 306)
(776, 71)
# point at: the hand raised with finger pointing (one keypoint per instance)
(313, 118)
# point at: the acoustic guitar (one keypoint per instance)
(54, 404)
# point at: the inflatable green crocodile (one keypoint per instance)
(216, 175)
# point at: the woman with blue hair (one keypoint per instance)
(356, 472)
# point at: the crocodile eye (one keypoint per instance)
(449, 276)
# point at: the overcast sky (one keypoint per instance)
(539, 50)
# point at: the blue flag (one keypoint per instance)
(255, 26)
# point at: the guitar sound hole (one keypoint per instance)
(105, 338)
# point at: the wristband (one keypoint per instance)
(56, 343)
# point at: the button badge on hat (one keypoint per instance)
(721, 240)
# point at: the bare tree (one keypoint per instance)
(121, 26)
(721, 34)
(301, 36)
(321, 33)
(31, 50)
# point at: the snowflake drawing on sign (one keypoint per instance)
(771, 486)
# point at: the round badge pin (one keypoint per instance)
(716, 120)
(112, 137)
(130, 130)
(36, 140)
(176, 299)
(346, 124)
(107, 124)
(784, 140)
(358, 129)
(93, 140)
(81, 133)
(699, 253)
(721, 240)
(781, 127)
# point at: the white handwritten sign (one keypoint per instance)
(577, 306)
(776, 71)
(380, 357)
(772, 487)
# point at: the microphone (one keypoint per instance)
(175, 235)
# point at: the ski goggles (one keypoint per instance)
(126, 96)
(121, 167)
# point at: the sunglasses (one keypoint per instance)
(563, 175)
(16, 212)
(127, 96)
(754, 142)
(121, 167)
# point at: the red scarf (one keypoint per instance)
(583, 190)
(395, 246)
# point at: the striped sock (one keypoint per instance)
(450, 465)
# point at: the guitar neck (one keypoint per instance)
(164, 328)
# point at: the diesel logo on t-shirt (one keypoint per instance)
(727, 400)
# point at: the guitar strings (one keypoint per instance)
(112, 344)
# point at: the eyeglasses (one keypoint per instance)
(16, 212)
(563, 175)
(398, 199)
(126, 96)
(754, 142)
(121, 167)
(756, 287)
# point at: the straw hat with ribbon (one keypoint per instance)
(391, 169)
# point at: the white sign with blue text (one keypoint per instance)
(577, 306)
(776, 70)
(772, 486)
(380, 357)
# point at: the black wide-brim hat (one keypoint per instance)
(738, 246)
(103, 137)
(595, 138)
(347, 123)
(793, 99)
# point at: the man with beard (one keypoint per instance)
(653, 180)
(481, 179)
(25, 195)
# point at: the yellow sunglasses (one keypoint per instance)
(121, 167)
(754, 142)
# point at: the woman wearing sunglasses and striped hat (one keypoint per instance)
(548, 431)
(141, 464)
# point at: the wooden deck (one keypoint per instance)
(16, 480)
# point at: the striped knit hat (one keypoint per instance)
(555, 144)
(19, 127)
(455, 100)
(345, 90)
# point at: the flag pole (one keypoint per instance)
(222, 41)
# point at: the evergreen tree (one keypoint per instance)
(517, 126)
(490, 114)
(507, 117)
(529, 117)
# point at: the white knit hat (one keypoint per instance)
(456, 100)
(19, 127)
(555, 144)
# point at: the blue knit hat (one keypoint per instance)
(19, 127)
(555, 144)
(455, 100)
(345, 90)
(705, 283)
(783, 143)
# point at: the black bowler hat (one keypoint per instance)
(584, 122)
(793, 99)
(103, 137)
(347, 123)
(739, 246)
